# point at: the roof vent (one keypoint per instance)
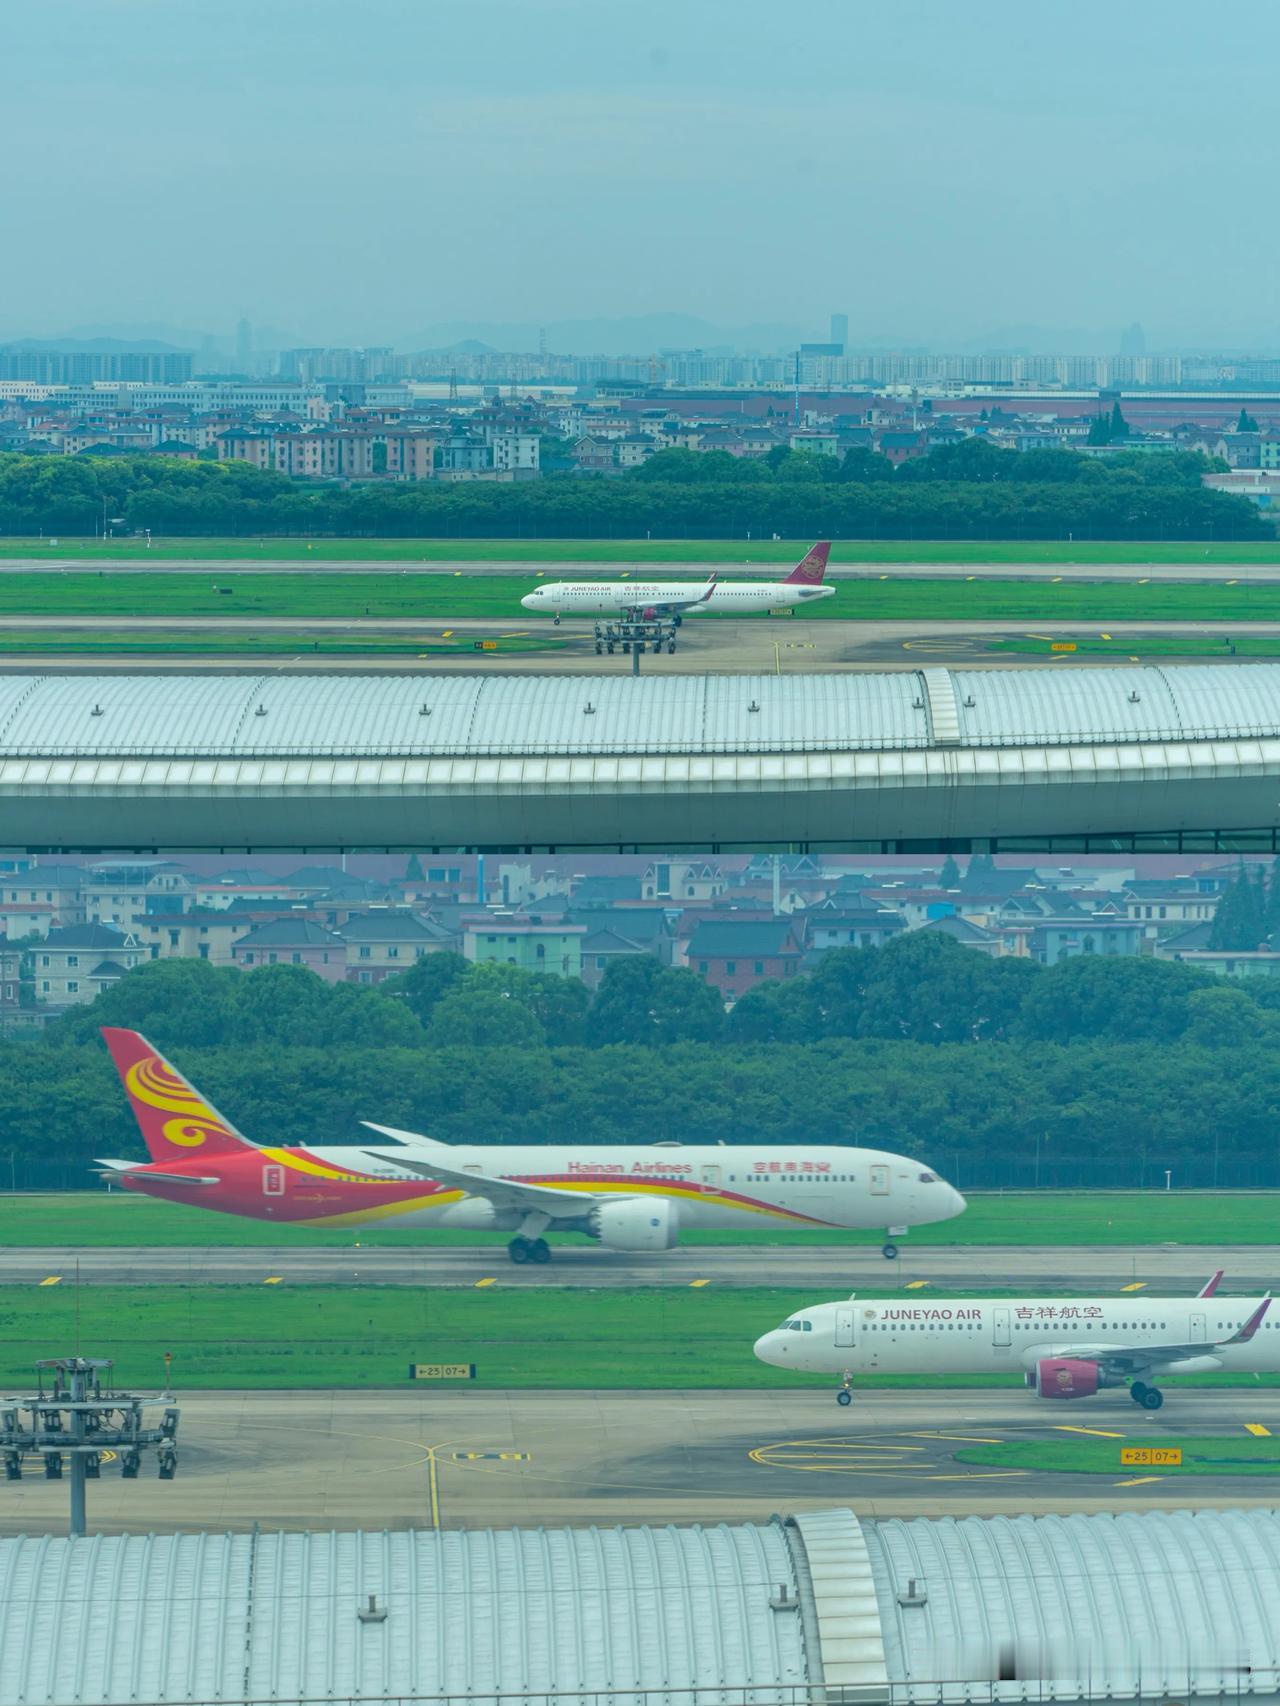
(588, 710)
(916, 1593)
(917, 704)
(97, 711)
(261, 711)
(969, 701)
(782, 1599)
(754, 705)
(1135, 698)
(424, 710)
(373, 1612)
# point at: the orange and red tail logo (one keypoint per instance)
(172, 1116)
(812, 568)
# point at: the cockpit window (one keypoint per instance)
(807, 1325)
(928, 1178)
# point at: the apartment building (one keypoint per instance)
(73, 966)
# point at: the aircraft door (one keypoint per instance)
(880, 1181)
(844, 1329)
(1199, 1333)
(273, 1180)
(711, 1178)
(1000, 1335)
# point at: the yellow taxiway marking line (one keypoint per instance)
(1104, 636)
(1048, 637)
(971, 577)
(433, 1486)
(1138, 1481)
(1056, 579)
(1257, 1429)
(916, 1285)
(480, 1284)
(273, 1279)
(446, 633)
(1144, 580)
(53, 1279)
(693, 1284)
(520, 634)
(966, 1439)
(1098, 1433)
(1136, 1285)
(1233, 583)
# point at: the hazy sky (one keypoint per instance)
(356, 170)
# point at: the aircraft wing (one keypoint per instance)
(1131, 1359)
(502, 1193)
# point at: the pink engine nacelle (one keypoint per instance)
(1065, 1377)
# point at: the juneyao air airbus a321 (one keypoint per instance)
(627, 1198)
(1065, 1348)
(653, 601)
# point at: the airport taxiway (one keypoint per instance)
(831, 1269)
(458, 1456)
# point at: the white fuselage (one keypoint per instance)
(975, 1336)
(685, 598)
(712, 1186)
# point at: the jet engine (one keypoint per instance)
(474, 1214)
(636, 1223)
(1065, 1377)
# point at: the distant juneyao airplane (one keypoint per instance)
(627, 1198)
(653, 601)
(1065, 1348)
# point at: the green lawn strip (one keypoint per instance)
(651, 551)
(231, 1337)
(1228, 1455)
(77, 641)
(447, 597)
(1217, 645)
(119, 1219)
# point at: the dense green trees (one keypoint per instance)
(1114, 1068)
(967, 490)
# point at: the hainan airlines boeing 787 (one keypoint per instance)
(653, 601)
(1065, 1348)
(627, 1198)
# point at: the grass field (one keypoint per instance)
(1226, 1456)
(118, 1219)
(448, 597)
(232, 1337)
(102, 642)
(652, 551)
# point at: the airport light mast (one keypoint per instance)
(81, 1419)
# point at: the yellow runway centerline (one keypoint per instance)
(1257, 1430)
(1098, 1433)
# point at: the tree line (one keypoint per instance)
(963, 491)
(1097, 1071)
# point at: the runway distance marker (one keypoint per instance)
(1098, 1433)
(53, 1279)
(442, 1371)
(1151, 1457)
(1257, 1430)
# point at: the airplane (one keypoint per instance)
(1070, 1348)
(625, 1197)
(652, 601)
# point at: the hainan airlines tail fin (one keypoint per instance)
(175, 1120)
(812, 568)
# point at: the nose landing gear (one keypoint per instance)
(890, 1252)
(844, 1396)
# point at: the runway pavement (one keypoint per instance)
(832, 1269)
(418, 1459)
(723, 646)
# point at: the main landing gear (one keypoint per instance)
(529, 1250)
(1149, 1397)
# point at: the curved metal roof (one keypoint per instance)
(1151, 1604)
(529, 715)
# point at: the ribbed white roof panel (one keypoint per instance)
(471, 1613)
(1154, 1604)
(519, 716)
